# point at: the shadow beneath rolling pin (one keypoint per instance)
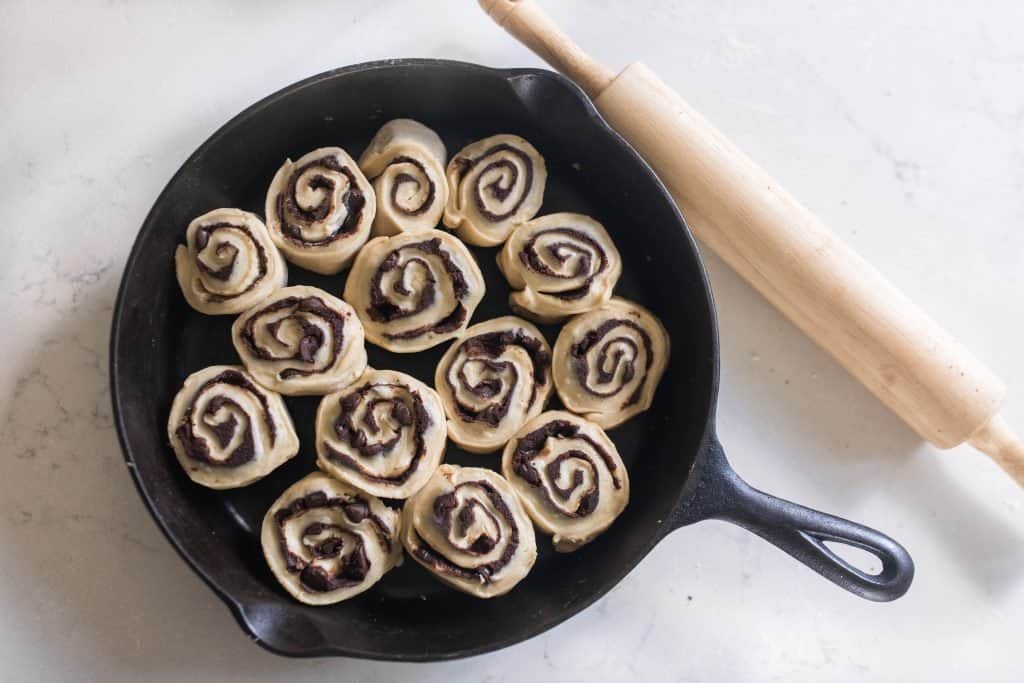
(833, 445)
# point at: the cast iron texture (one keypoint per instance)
(157, 340)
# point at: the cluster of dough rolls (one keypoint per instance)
(381, 434)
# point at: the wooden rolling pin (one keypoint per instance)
(734, 207)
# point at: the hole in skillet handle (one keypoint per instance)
(715, 491)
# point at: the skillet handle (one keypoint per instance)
(720, 493)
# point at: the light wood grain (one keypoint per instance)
(838, 299)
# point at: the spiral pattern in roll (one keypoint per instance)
(569, 476)
(326, 541)
(468, 528)
(494, 378)
(384, 434)
(405, 161)
(301, 341)
(320, 210)
(494, 185)
(228, 431)
(414, 291)
(228, 262)
(560, 265)
(608, 362)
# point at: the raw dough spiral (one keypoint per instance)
(569, 476)
(608, 362)
(494, 378)
(301, 341)
(384, 434)
(405, 162)
(468, 528)
(561, 264)
(326, 542)
(226, 430)
(228, 262)
(414, 290)
(320, 209)
(494, 184)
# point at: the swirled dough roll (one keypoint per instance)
(608, 362)
(320, 209)
(301, 341)
(494, 184)
(414, 290)
(405, 162)
(569, 476)
(468, 528)
(560, 265)
(228, 431)
(326, 542)
(495, 377)
(384, 434)
(228, 262)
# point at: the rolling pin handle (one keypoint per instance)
(529, 24)
(996, 440)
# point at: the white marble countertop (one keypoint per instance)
(902, 123)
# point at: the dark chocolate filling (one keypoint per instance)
(197, 448)
(498, 190)
(485, 348)
(403, 178)
(578, 358)
(354, 567)
(223, 273)
(530, 445)
(448, 514)
(410, 413)
(383, 311)
(312, 335)
(293, 218)
(531, 259)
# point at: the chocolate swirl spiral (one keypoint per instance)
(320, 209)
(494, 185)
(226, 430)
(493, 379)
(569, 476)
(326, 542)
(608, 362)
(228, 262)
(561, 264)
(405, 161)
(468, 528)
(414, 290)
(383, 434)
(301, 341)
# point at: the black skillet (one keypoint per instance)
(678, 472)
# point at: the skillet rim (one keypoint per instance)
(238, 606)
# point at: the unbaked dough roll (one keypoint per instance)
(468, 528)
(608, 362)
(494, 185)
(326, 542)
(228, 431)
(569, 476)
(405, 162)
(384, 434)
(320, 209)
(228, 262)
(560, 265)
(414, 290)
(495, 377)
(301, 341)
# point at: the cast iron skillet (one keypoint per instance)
(678, 471)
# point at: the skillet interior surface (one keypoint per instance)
(157, 340)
